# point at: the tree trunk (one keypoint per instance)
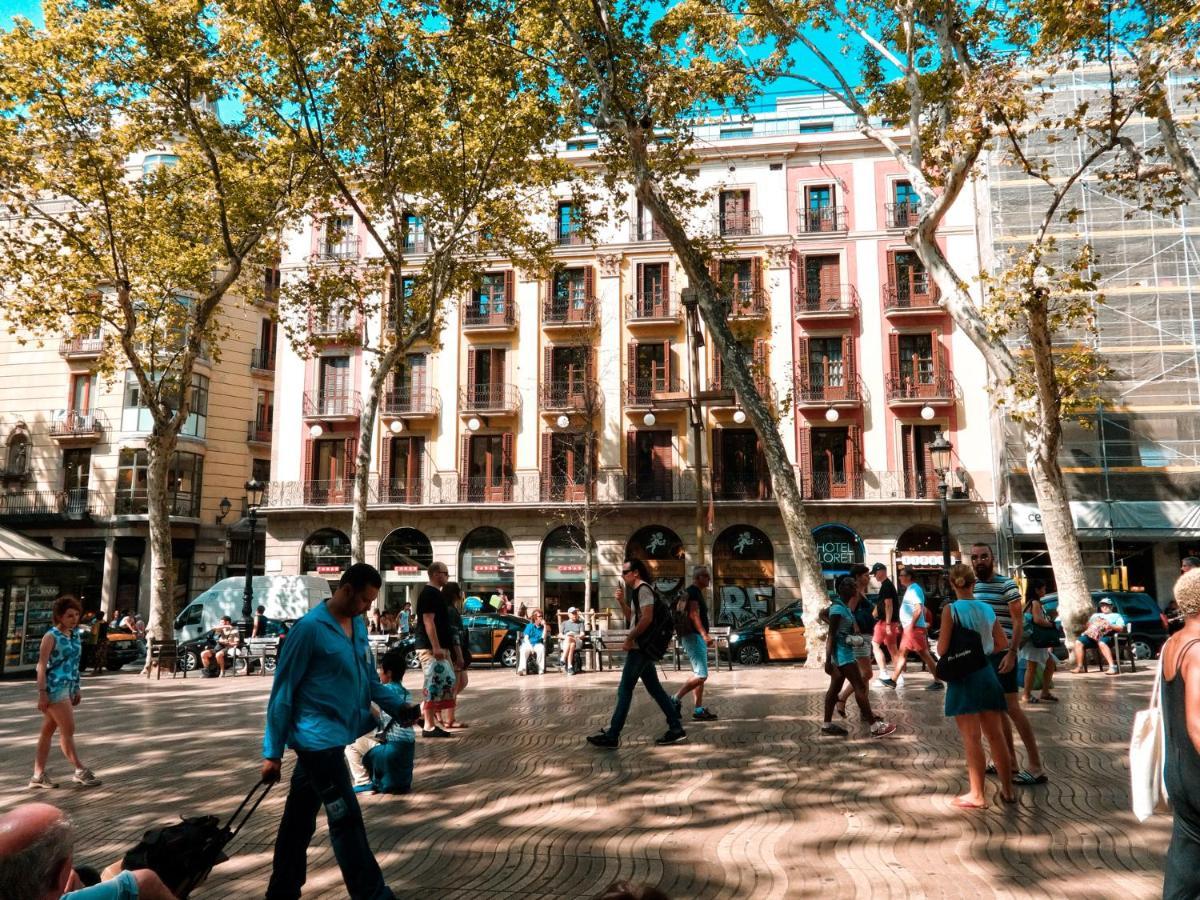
(159, 450)
(587, 527)
(362, 460)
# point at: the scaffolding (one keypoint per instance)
(1141, 444)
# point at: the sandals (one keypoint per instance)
(1031, 700)
(1027, 778)
(990, 769)
(1048, 698)
(458, 725)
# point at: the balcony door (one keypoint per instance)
(920, 481)
(822, 276)
(735, 212)
(334, 385)
(564, 465)
(409, 381)
(650, 466)
(738, 466)
(909, 278)
(914, 362)
(83, 390)
(651, 296)
(568, 370)
(488, 467)
(485, 378)
(830, 457)
(331, 462)
(402, 466)
(650, 369)
(77, 473)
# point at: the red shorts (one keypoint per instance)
(886, 633)
(915, 639)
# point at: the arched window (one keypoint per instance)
(743, 575)
(485, 566)
(325, 553)
(663, 552)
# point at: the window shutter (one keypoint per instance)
(464, 470)
(931, 483)
(664, 303)
(796, 271)
(547, 478)
(589, 283)
(756, 280)
(547, 365)
(849, 366)
(938, 354)
(550, 303)
(510, 294)
(630, 453)
(663, 464)
(385, 469)
(718, 370)
(831, 276)
(351, 450)
(416, 469)
(853, 453)
(714, 271)
(891, 266)
(471, 373)
(589, 371)
(907, 437)
(804, 452)
(894, 355)
(760, 364)
(506, 445)
(306, 473)
(666, 371)
(802, 376)
(718, 463)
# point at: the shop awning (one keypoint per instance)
(1117, 518)
(16, 548)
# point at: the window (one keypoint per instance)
(77, 469)
(489, 467)
(916, 358)
(645, 228)
(490, 304)
(649, 370)
(825, 362)
(819, 213)
(649, 465)
(735, 215)
(651, 300)
(816, 127)
(272, 280)
(414, 234)
(564, 466)
(83, 389)
(152, 162)
(402, 466)
(920, 480)
(831, 463)
(400, 314)
(184, 483)
(739, 468)
(566, 225)
(729, 134)
(822, 275)
(264, 355)
(583, 144)
(741, 281)
(904, 207)
(264, 413)
(135, 416)
(571, 295)
(340, 240)
(903, 193)
(910, 281)
(260, 470)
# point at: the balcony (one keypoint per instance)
(489, 399)
(570, 395)
(405, 491)
(745, 224)
(652, 308)
(77, 426)
(742, 488)
(902, 215)
(27, 507)
(822, 220)
(653, 392)
(343, 248)
(874, 486)
(920, 388)
(185, 504)
(333, 326)
(262, 359)
(815, 390)
(748, 303)
(831, 485)
(825, 302)
(486, 489)
(407, 402)
(338, 492)
(332, 404)
(258, 432)
(415, 243)
(572, 312)
(721, 393)
(566, 489)
(81, 347)
(493, 316)
(567, 235)
(645, 231)
(659, 487)
(915, 296)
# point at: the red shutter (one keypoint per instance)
(796, 271)
(664, 465)
(718, 370)
(803, 382)
(850, 366)
(589, 283)
(631, 373)
(547, 471)
(831, 277)
(908, 460)
(664, 303)
(351, 453)
(760, 364)
(854, 457)
(385, 469)
(891, 267)
(756, 283)
(939, 359)
(714, 271)
(589, 371)
(464, 470)
(416, 469)
(506, 445)
(306, 470)
(718, 464)
(549, 308)
(547, 365)
(667, 365)
(471, 373)
(894, 355)
(804, 458)
(510, 295)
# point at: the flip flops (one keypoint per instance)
(1027, 778)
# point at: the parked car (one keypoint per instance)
(493, 638)
(777, 637)
(189, 651)
(123, 648)
(1149, 625)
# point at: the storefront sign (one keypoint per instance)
(329, 570)
(838, 547)
(481, 568)
(572, 568)
(924, 560)
(406, 570)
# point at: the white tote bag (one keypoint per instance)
(1147, 757)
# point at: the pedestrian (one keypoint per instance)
(845, 645)
(639, 665)
(100, 633)
(691, 630)
(259, 628)
(864, 618)
(1181, 718)
(434, 643)
(320, 702)
(406, 618)
(460, 653)
(886, 630)
(976, 702)
(59, 693)
(1003, 596)
(914, 635)
(382, 759)
(1036, 658)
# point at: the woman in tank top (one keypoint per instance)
(1181, 716)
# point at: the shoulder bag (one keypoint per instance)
(965, 654)
(1147, 755)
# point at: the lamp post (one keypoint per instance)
(254, 490)
(939, 453)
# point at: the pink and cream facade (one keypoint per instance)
(479, 450)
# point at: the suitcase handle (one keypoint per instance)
(229, 826)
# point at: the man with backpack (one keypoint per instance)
(691, 627)
(645, 646)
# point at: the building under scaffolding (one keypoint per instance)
(1133, 466)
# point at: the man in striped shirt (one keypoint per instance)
(1004, 597)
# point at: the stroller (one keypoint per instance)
(183, 855)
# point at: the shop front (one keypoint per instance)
(326, 554)
(485, 566)
(921, 547)
(838, 548)
(405, 556)
(663, 553)
(743, 575)
(564, 570)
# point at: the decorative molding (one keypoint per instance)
(779, 256)
(610, 264)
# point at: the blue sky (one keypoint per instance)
(30, 9)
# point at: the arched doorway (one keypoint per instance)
(920, 546)
(404, 559)
(743, 575)
(838, 548)
(663, 552)
(485, 566)
(564, 569)
(326, 554)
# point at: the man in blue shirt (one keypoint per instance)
(321, 700)
(533, 640)
(914, 623)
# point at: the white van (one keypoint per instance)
(284, 596)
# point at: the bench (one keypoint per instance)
(163, 653)
(720, 637)
(608, 643)
(265, 650)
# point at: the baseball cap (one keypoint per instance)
(573, 609)
(878, 567)
(1104, 601)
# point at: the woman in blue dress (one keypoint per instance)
(977, 701)
(844, 647)
(58, 692)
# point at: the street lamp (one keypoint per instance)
(254, 491)
(939, 454)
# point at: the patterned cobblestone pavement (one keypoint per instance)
(755, 805)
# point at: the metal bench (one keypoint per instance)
(264, 650)
(720, 636)
(608, 643)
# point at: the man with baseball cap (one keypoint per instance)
(887, 623)
(571, 636)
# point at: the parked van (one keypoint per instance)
(286, 597)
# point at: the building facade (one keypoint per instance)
(480, 455)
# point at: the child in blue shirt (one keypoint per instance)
(382, 760)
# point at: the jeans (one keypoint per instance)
(321, 778)
(639, 665)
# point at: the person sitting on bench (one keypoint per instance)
(571, 635)
(533, 640)
(382, 759)
(1099, 635)
(227, 639)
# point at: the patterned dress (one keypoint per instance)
(62, 668)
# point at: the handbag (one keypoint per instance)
(965, 654)
(1147, 757)
(1044, 636)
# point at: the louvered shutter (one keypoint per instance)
(464, 470)
(631, 386)
(831, 275)
(796, 273)
(510, 295)
(931, 483)
(666, 366)
(760, 364)
(850, 366)
(854, 456)
(631, 464)
(472, 390)
(548, 389)
(351, 456)
(757, 298)
(306, 471)
(803, 381)
(898, 387)
(938, 353)
(718, 463)
(663, 465)
(386, 482)
(547, 478)
(589, 284)
(718, 371)
(662, 304)
(804, 452)
(908, 435)
(551, 306)
(714, 271)
(506, 463)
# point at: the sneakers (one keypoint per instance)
(882, 729)
(1112, 670)
(935, 686)
(886, 682)
(85, 777)
(678, 704)
(435, 732)
(900, 681)
(41, 782)
(704, 715)
(672, 737)
(831, 730)
(604, 740)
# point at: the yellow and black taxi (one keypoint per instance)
(779, 636)
(493, 638)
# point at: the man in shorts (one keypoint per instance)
(1099, 636)
(886, 632)
(571, 637)
(694, 638)
(433, 640)
(226, 637)
(915, 637)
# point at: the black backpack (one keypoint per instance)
(657, 637)
(679, 615)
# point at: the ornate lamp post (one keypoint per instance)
(939, 453)
(254, 491)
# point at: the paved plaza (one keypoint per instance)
(756, 805)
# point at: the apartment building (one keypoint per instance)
(74, 458)
(481, 448)
(1131, 465)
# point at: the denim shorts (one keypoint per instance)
(697, 652)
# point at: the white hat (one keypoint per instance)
(573, 609)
